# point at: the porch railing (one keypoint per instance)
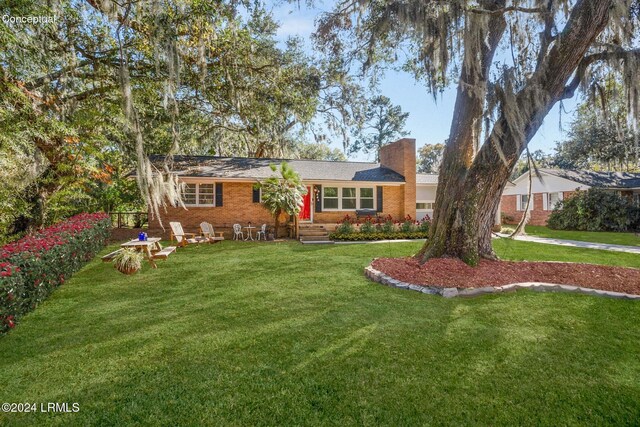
(129, 219)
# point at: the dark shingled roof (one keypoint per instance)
(598, 179)
(252, 168)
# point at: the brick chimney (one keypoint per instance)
(400, 156)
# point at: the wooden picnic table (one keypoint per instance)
(149, 247)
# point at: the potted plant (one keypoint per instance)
(128, 261)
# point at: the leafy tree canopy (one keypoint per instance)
(108, 83)
(430, 157)
(319, 151)
(383, 123)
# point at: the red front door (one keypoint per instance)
(305, 213)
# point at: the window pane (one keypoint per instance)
(331, 203)
(421, 206)
(348, 203)
(524, 198)
(189, 194)
(366, 203)
(205, 194)
(331, 192)
(349, 192)
(206, 188)
(366, 192)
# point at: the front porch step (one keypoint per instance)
(311, 227)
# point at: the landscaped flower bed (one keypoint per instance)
(381, 228)
(453, 273)
(32, 267)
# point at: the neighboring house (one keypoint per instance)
(426, 186)
(558, 184)
(220, 189)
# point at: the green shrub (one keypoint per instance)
(407, 225)
(388, 225)
(367, 226)
(425, 224)
(595, 210)
(345, 226)
(32, 267)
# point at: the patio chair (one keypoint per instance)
(262, 232)
(209, 233)
(183, 238)
(237, 232)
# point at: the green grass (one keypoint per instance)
(629, 239)
(285, 334)
(526, 251)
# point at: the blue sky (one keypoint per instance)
(429, 121)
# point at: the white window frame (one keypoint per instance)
(372, 198)
(547, 200)
(198, 204)
(520, 206)
(432, 202)
(340, 187)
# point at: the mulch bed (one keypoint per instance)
(448, 272)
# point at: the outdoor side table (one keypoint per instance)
(249, 236)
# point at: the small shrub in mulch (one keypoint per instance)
(449, 272)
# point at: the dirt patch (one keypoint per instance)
(448, 272)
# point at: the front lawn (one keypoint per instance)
(629, 239)
(290, 334)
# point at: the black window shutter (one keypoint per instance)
(379, 199)
(218, 194)
(318, 191)
(256, 195)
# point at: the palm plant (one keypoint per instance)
(282, 193)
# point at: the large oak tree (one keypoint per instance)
(514, 60)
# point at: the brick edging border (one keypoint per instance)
(380, 277)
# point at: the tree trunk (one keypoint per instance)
(469, 188)
(277, 225)
(448, 234)
(35, 195)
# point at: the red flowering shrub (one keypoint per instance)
(345, 226)
(381, 228)
(32, 267)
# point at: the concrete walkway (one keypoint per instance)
(578, 244)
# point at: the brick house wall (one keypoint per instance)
(392, 204)
(237, 207)
(539, 216)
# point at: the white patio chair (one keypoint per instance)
(262, 232)
(209, 233)
(237, 232)
(181, 237)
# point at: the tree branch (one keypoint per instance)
(570, 89)
(509, 9)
